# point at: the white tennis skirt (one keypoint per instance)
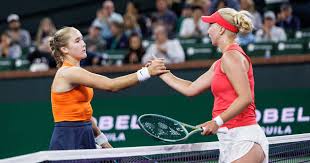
(239, 141)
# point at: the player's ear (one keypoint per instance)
(64, 50)
(222, 30)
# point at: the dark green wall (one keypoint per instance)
(77, 13)
(282, 98)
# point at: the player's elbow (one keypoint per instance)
(247, 99)
(190, 93)
(111, 87)
(115, 89)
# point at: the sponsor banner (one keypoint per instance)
(274, 122)
(277, 113)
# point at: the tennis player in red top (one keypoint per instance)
(72, 91)
(232, 83)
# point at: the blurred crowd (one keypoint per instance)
(164, 28)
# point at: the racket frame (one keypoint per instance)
(183, 125)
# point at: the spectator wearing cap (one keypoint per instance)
(170, 50)
(270, 32)
(286, 19)
(104, 17)
(18, 35)
(193, 26)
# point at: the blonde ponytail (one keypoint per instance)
(243, 22)
(242, 19)
(58, 40)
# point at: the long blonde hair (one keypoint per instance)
(39, 35)
(240, 19)
(58, 40)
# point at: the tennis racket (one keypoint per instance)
(168, 129)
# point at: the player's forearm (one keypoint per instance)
(124, 82)
(176, 83)
(96, 131)
(236, 108)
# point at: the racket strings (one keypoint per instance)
(163, 128)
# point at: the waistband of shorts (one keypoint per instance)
(72, 124)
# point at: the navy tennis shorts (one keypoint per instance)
(72, 135)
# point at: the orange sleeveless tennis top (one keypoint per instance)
(73, 105)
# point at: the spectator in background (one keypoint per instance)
(45, 29)
(95, 45)
(186, 13)
(18, 35)
(170, 50)
(105, 15)
(118, 39)
(193, 26)
(136, 50)
(287, 20)
(245, 38)
(91, 59)
(270, 32)
(204, 4)
(9, 49)
(131, 26)
(143, 21)
(41, 59)
(249, 5)
(218, 4)
(94, 42)
(165, 16)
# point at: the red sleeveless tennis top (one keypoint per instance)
(224, 94)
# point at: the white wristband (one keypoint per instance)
(143, 74)
(219, 121)
(101, 139)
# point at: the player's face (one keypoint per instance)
(76, 45)
(214, 33)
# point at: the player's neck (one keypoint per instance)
(225, 44)
(71, 61)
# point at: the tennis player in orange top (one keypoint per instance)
(71, 90)
(232, 83)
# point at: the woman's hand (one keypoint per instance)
(106, 145)
(157, 67)
(209, 128)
